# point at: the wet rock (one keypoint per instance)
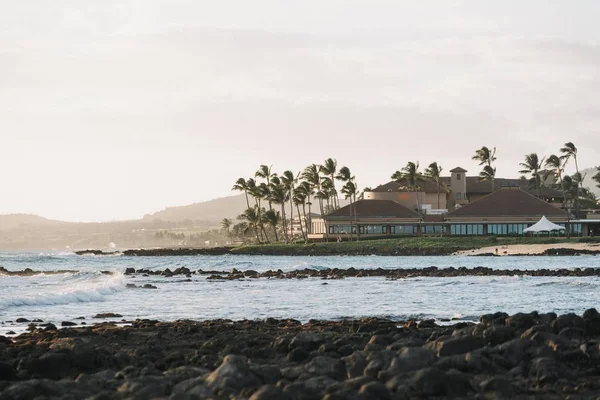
(270, 392)
(546, 370)
(7, 372)
(313, 388)
(375, 391)
(68, 323)
(355, 364)
(498, 334)
(145, 387)
(149, 286)
(22, 320)
(32, 389)
(298, 355)
(520, 321)
(568, 321)
(498, 388)
(430, 382)
(233, 375)
(450, 346)
(326, 366)
(107, 315)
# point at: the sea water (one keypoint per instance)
(88, 291)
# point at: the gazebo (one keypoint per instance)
(543, 225)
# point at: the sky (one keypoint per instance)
(110, 110)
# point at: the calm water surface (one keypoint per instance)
(56, 298)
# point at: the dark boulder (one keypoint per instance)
(497, 334)
(232, 376)
(449, 346)
(107, 315)
(270, 392)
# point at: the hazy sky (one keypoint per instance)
(113, 109)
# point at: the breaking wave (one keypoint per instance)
(84, 289)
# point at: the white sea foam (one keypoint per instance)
(90, 288)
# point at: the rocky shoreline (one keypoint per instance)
(311, 250)
(330, 273)
(341, 273)
(523, 356)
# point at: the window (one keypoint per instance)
(466, 229)
(404, 229)
(458, 177)
(433, 229)
(457, 195)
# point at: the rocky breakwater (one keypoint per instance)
(340, 273)
(502, 357)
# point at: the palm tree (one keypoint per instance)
(488, 174)
(329, 169)
(226, 224)
(278, 196)
(569, 151)
(344, 175)
(409, 176)
(486, 157)
(313, 178)
(350, 192)
(299, 198)
(307, 190)
(273, 218)
(252, 218)
(597, 177)
(242, 186)
(433, 173)
(288, 180)
(328, 189)
(251, 188)
(554, 167)
(264, 172)
(533, 166)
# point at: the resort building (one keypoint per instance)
(459, 206)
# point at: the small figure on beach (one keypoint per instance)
(496, 251)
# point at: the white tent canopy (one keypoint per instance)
(543, 225)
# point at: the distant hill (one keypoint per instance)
(12, 221)
(213, 210)
(588, 182)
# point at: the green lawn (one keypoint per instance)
(396, 246)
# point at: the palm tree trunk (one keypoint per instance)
(275, 231)
(305, 221)
(291, 217)
(578, 185)
(247, 201)
(300, 221)
(438, 194)
(309, 228)
(355, 220)
(262, 226)
(285, 232)
(256, 232)
(336, 198)
(562, 187)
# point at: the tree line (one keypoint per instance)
(266, 191)
(539, 171)
(272, 200)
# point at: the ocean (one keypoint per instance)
(86, 291)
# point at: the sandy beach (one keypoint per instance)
(528, 249)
